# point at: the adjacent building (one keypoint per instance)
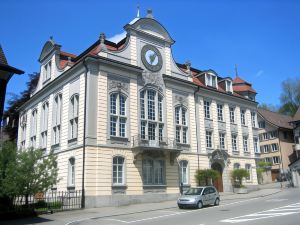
(295, 164)
(129, 123)
(276, 141)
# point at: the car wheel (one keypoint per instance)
(199, 205)
(180, 207)
(217, 202)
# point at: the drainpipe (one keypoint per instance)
(197, 131)
(84, 133)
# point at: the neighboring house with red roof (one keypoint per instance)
(276, 140)
(136, 123)
(295, 164)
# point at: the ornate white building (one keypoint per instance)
(129, 124)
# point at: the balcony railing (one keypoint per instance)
(148, 141)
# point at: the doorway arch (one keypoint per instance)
(218, 183)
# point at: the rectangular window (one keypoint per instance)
(143, 130)
(273, 134)
(265, 136)
(222, 140)
(122, 127)
(177, 115)
(255, 143)
(57, 110)
(274, 147)
(245, 143)
(243, 121)
(178, 134)
(261, 124)
(118, 170)
(266, 148)
(142, 104)
(229, 86)
(268, 160)
(153, 172)
(248, 168)
(160, 112)
(276, 160)
(253, 119)
(158, 172)
(234, 142)
(183, 116)
(231, 114)
(207, 109)
(151, 105)
(184, 135)
(113, 126)
(151, 131)
(220, 112)
(160, 132)
(122, 105)
(113, 104)
(208, 139)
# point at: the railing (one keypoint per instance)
(50, 201)
(148, 141)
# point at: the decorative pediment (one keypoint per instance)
(219, 155)
(114, 85)
(154, 79)
(181, 100)
(48, 48)
(152, 27)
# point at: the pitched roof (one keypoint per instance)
(276, 119)
(296, 117)
(3, 59)
(4, 64)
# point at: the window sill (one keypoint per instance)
(71, 188)
(221, 121)
(116, 138)
(119, 186)
(55, 146)
(183, 144)
(209, 119)
(235, 152)
(244, 126)
(163, 186)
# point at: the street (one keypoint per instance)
(280, 208)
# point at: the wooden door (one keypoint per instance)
(218, 183)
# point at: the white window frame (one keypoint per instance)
(44, 124)
(234, 142)
(245, 144)
(222, 140)
(33, 128)
(278, 161)
(118, 115)
(47, 71)
(232, 114)
(155, 171)
(181, 124)
(255, 145)
(207, 113)
(236, 166)
(71, 172)
(253, 119)
(209, 139)
(56, 123)
(243, 117)
(118, 167)
(184, 172)
(248, 167)
(73, 117)
(220, 112)
(211, 80)
(276, 147)
(228, 85)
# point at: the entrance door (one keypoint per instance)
(218, 183)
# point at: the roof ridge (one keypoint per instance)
(3, 59)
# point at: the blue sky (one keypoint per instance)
(260, 36)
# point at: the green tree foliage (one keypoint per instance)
(290, 96)
(204, 177)
(269, 107)
(262, 166)
(14, 104)
(28, 173)
(238, 175)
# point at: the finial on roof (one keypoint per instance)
(188, 65)
(149, 14)
(102, 39)
(236, 70)
(138, 11)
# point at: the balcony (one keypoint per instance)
(155, 142)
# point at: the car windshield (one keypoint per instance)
(193, 191)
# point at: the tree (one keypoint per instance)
(290, 96)
(238, 175)
(204, 177)
(262, 166)
(14, 104)
(269, 107)
(31, 173)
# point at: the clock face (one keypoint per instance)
(151, 58)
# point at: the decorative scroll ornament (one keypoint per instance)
(181, 100)
(114, 85)
(154, 79)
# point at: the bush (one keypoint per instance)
(238, 175)
(204, 177)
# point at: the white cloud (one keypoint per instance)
(259, 73)
(118, 37)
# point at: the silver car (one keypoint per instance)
(199, 197)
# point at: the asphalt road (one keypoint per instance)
(282, 208)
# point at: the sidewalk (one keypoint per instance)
(68, 216)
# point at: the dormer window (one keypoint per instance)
(47, 71)
(228, 84)
(211, 80)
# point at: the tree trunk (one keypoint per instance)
(26, 201)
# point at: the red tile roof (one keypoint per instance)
(277, 119)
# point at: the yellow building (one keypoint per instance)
(129, 124)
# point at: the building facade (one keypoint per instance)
(276, 141)
(129, 124)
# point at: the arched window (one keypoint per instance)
(44, 125)
(73, 125)
(23, 125)
(181, 124)
(151, 106)
(118, 115)
(236, 166)
(183, 172)
(118, 170)
(33, 128)
(57, 110)
(71, 172)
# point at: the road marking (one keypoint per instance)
(277, 200)
(280, 211)
(151, 218)
(122, 221)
